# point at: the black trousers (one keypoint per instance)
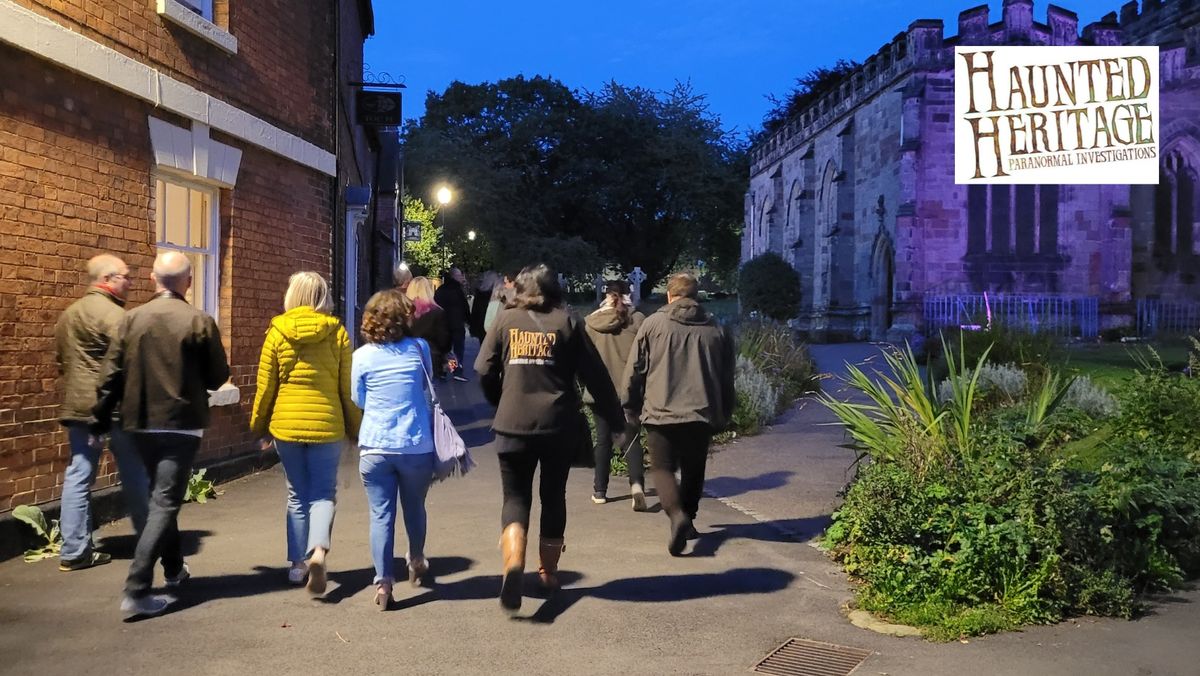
(458, 343)
(603, 451)
(519, 457)
(168, 459)
(683, 447)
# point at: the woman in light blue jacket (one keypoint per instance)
(388, 379)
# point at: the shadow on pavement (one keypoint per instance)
(729, 486)
(667, 589)
(353, 581)
(122, 546)
(781, 530)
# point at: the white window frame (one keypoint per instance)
(202, 7)
(197, 17)
(207, 299)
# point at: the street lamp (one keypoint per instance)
(443, 198)
(471, 235)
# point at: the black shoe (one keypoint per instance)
(679, 531)
(88, 561)
(460, 377)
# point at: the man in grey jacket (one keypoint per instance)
(82, 336)
(679, 382)
(165, 359)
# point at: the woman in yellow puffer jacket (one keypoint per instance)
(303, 403)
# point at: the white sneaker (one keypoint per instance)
(639, 497)
(180, 577)
(146, 606)
(297, 574)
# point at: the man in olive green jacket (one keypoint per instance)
(83, 334)
(679, 381)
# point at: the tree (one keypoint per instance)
(807, 90)
(424, 256)
(769, 286)
(622, 177)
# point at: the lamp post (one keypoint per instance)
(443, 198)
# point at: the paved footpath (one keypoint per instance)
(749, 584)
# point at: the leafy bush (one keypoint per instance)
(199, 489)
(1162, 409)
(1026, 350)
(967, 524)
(998, 384)
(50, 539)
(769, 286)
(757, 398)
(1085, 395)
(774, 350)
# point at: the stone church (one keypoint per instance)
(857, 191)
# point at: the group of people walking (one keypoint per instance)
(141, 377)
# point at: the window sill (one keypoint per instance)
(178, 14)
(225, 395)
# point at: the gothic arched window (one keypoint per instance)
(1175, 207)
(1021, 219)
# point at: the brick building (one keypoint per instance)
(217, 127)
(857, 191)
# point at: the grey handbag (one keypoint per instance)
(453, 457)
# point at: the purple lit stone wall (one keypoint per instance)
(858, 193)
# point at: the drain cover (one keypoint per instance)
(798, 657)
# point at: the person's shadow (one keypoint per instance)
(781, 530)
(123, 546)
(653, 589)
(728, 486)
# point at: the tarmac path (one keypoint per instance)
(752, 581)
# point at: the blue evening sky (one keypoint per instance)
(735, 52)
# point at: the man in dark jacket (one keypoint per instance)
(158, 371)
(679, 381)
(452, 296)
(82, 335)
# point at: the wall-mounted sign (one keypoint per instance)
(412, 231)
(380, 109)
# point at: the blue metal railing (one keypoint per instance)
(1160, 318)
(1060, 315)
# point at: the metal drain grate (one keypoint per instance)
(799, 657)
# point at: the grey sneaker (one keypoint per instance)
(639, 497)
(146, 606)
(179, 578)
(599, 497)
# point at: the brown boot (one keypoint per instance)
(512, 547)
(550, 549)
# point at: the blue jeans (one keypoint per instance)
(75, 521)
(311, 471)
(385, 476)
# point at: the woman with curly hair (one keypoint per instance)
(388, 380)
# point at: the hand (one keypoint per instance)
(264, 444)
(632, 417)
(95, 441)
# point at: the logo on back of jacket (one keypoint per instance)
(531, 347)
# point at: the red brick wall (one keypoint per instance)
(75, 163)
(282, 71)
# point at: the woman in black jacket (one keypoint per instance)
(429, 322)
(528, 366)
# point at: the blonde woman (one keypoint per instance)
(303, 406)
(428, 321)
